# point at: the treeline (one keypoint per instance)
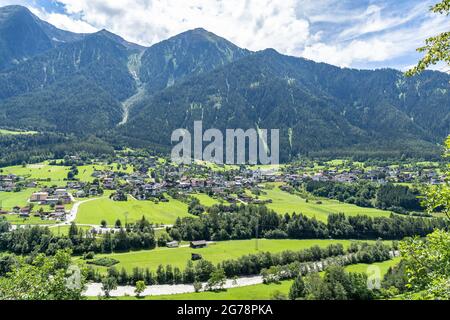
(336, 284)
(400, 199)
(252, 264)
(19, 149)
(247, 222)
(139, 236)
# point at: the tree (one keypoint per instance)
(278, 295)
(198, 286)
(217, 280)
(104, 224)
(427, 265)
(118, 224)
(297, 289)
(426, 262)
(140, 287)
(436, 48)
(109, 284)
(43, 278)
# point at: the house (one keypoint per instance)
(39, 197)
(32, 184)
(172, 244)
(60, 208)
(80, 194)
(52, 200)
(198, 244)
(61, 193)
(25, 212)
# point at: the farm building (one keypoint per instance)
(198, 244)
(172, 244)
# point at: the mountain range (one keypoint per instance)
(99, 84)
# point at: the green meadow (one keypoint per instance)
(41, 171)
(214, 253)
(206, 200)
(384, 267)
(284, 202)
(57, 174)
(93, 212)
(85, 172)
(9, 200)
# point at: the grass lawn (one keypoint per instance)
(85, 172)
(284, 202)
(9, 200)
(41, 171)
(215, 252)
(384, 266)
(206, 200)
(94, 212)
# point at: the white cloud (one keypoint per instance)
(379, 37)
(64, 22)
(254, 24)
(341, 32)
(376, 48)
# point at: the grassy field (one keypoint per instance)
(94, 212)
(384, 266)
(57, 174)
(9, 200)
(284, 202)
(215, 252)
(41, 171)
(85, 172)
(206, 200)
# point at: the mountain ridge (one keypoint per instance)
(143, 93)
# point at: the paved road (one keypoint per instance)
(71, 217)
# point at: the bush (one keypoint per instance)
(89, 255)
(104, 262)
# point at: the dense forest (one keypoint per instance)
(246, 222)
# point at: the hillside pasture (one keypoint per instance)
(284, 202)
(95, 211)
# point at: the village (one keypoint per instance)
(152, 180)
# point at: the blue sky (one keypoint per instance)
(350, 33)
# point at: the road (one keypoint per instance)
(72, 216)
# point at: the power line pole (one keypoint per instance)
(256, 240)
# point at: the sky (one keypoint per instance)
(365, 34)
